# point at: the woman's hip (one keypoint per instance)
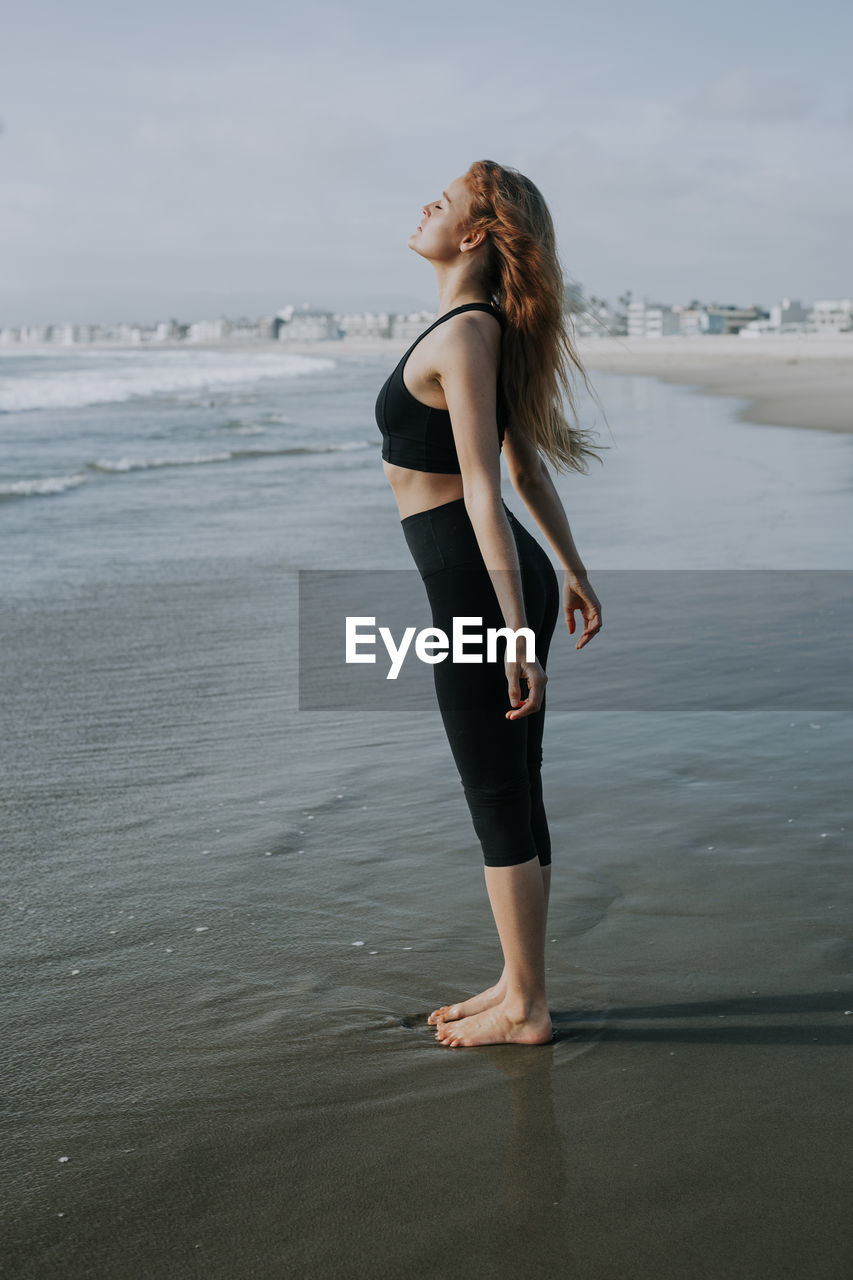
(443, 537)
(445, 550)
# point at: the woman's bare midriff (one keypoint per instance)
(419, 490)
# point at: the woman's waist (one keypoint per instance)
(454, 509)
(419, 491)
(442, 536)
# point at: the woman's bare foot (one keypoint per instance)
(476, 1004)
(506, 1023)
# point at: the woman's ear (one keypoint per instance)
(472, 240)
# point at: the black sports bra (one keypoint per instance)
(415, 435)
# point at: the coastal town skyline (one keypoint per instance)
(591, 316)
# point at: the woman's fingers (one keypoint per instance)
(582, 598)
(536, 679)
(592, 625)
(513, 676)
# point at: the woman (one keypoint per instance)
(494, 365)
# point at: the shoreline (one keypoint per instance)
(787, 380)
(792, 380)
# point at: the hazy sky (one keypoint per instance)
(193, 159)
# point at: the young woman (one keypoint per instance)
(490, 374)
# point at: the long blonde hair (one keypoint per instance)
(523, 274)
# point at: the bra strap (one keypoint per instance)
(466, 306)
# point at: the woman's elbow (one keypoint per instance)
(526, 478)
(481, 490)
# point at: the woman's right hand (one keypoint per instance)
(579, 595)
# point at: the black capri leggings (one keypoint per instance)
(499, 760)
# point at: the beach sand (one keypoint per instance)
(796, 381)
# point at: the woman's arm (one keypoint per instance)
(532, 482)
(466, 366)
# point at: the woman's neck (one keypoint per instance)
(456, 288)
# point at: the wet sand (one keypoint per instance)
(227, 920)
(789, 381)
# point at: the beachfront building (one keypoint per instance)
(829, 316)
(410, 324)
(243, 330)
(789, 316)
(307, 325)
(655, 321)
(729, 319)
(206, 331)
(166, 331)
(594, 319)
(36, 333)
(364, 324)
(265, 328)
(689, 320)
(636, 317)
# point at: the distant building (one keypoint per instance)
(653, 321)
(689, 321)
(167, 331)
(266, 328)
(410, 324)
(35, 333)
(831, 316)
(242, 330)
(716, 319)
(596, 320)
(307, 325)
(206, 331)
(364, 324)
(788, 314)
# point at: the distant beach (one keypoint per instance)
(795, 380)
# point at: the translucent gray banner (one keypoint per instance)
(672, 640)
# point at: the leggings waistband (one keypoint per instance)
(443, 537)
(444, 508)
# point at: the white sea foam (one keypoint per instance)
(225, 455)
(116, 466)
(145, 464)
(145, 374)
(47, 485)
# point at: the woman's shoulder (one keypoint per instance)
(468, 329)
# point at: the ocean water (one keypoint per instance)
(225, 919)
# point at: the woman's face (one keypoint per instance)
(444, 223)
